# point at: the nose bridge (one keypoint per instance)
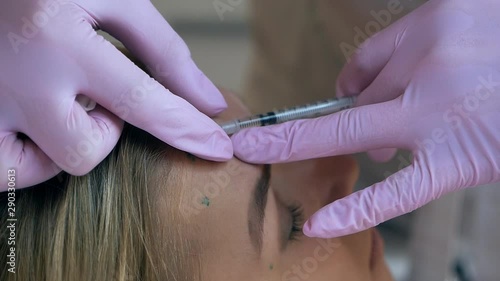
(315, 183)
(332, 178)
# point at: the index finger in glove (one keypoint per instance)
(131, 94)
(399, 194)
(148, 36)
(350, 131)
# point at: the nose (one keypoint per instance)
(317, 182)
(332, 178)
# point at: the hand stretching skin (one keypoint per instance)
(50, 53)
(429, 83)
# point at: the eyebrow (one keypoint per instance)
(256, 210)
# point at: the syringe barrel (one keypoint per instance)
(314, 110)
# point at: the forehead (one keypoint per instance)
(215, 199)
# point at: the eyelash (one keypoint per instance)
(297, 215)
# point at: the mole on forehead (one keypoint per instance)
(205, 201)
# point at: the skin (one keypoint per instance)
(215, 201)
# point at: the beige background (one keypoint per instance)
(200, 10)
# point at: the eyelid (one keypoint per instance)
(286, 220)
(297, 215)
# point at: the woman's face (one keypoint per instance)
(247, 219)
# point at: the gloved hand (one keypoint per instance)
(50, 53)
(429, 83)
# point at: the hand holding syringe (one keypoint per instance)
(312, 110)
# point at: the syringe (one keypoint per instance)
(312, 110)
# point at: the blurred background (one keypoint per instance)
(221, 48)
(433, 243)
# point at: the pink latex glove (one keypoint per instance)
(429, 83)
(50, 53)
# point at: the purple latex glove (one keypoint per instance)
(50, 53)
(430, 83)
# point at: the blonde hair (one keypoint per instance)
(104, 225)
